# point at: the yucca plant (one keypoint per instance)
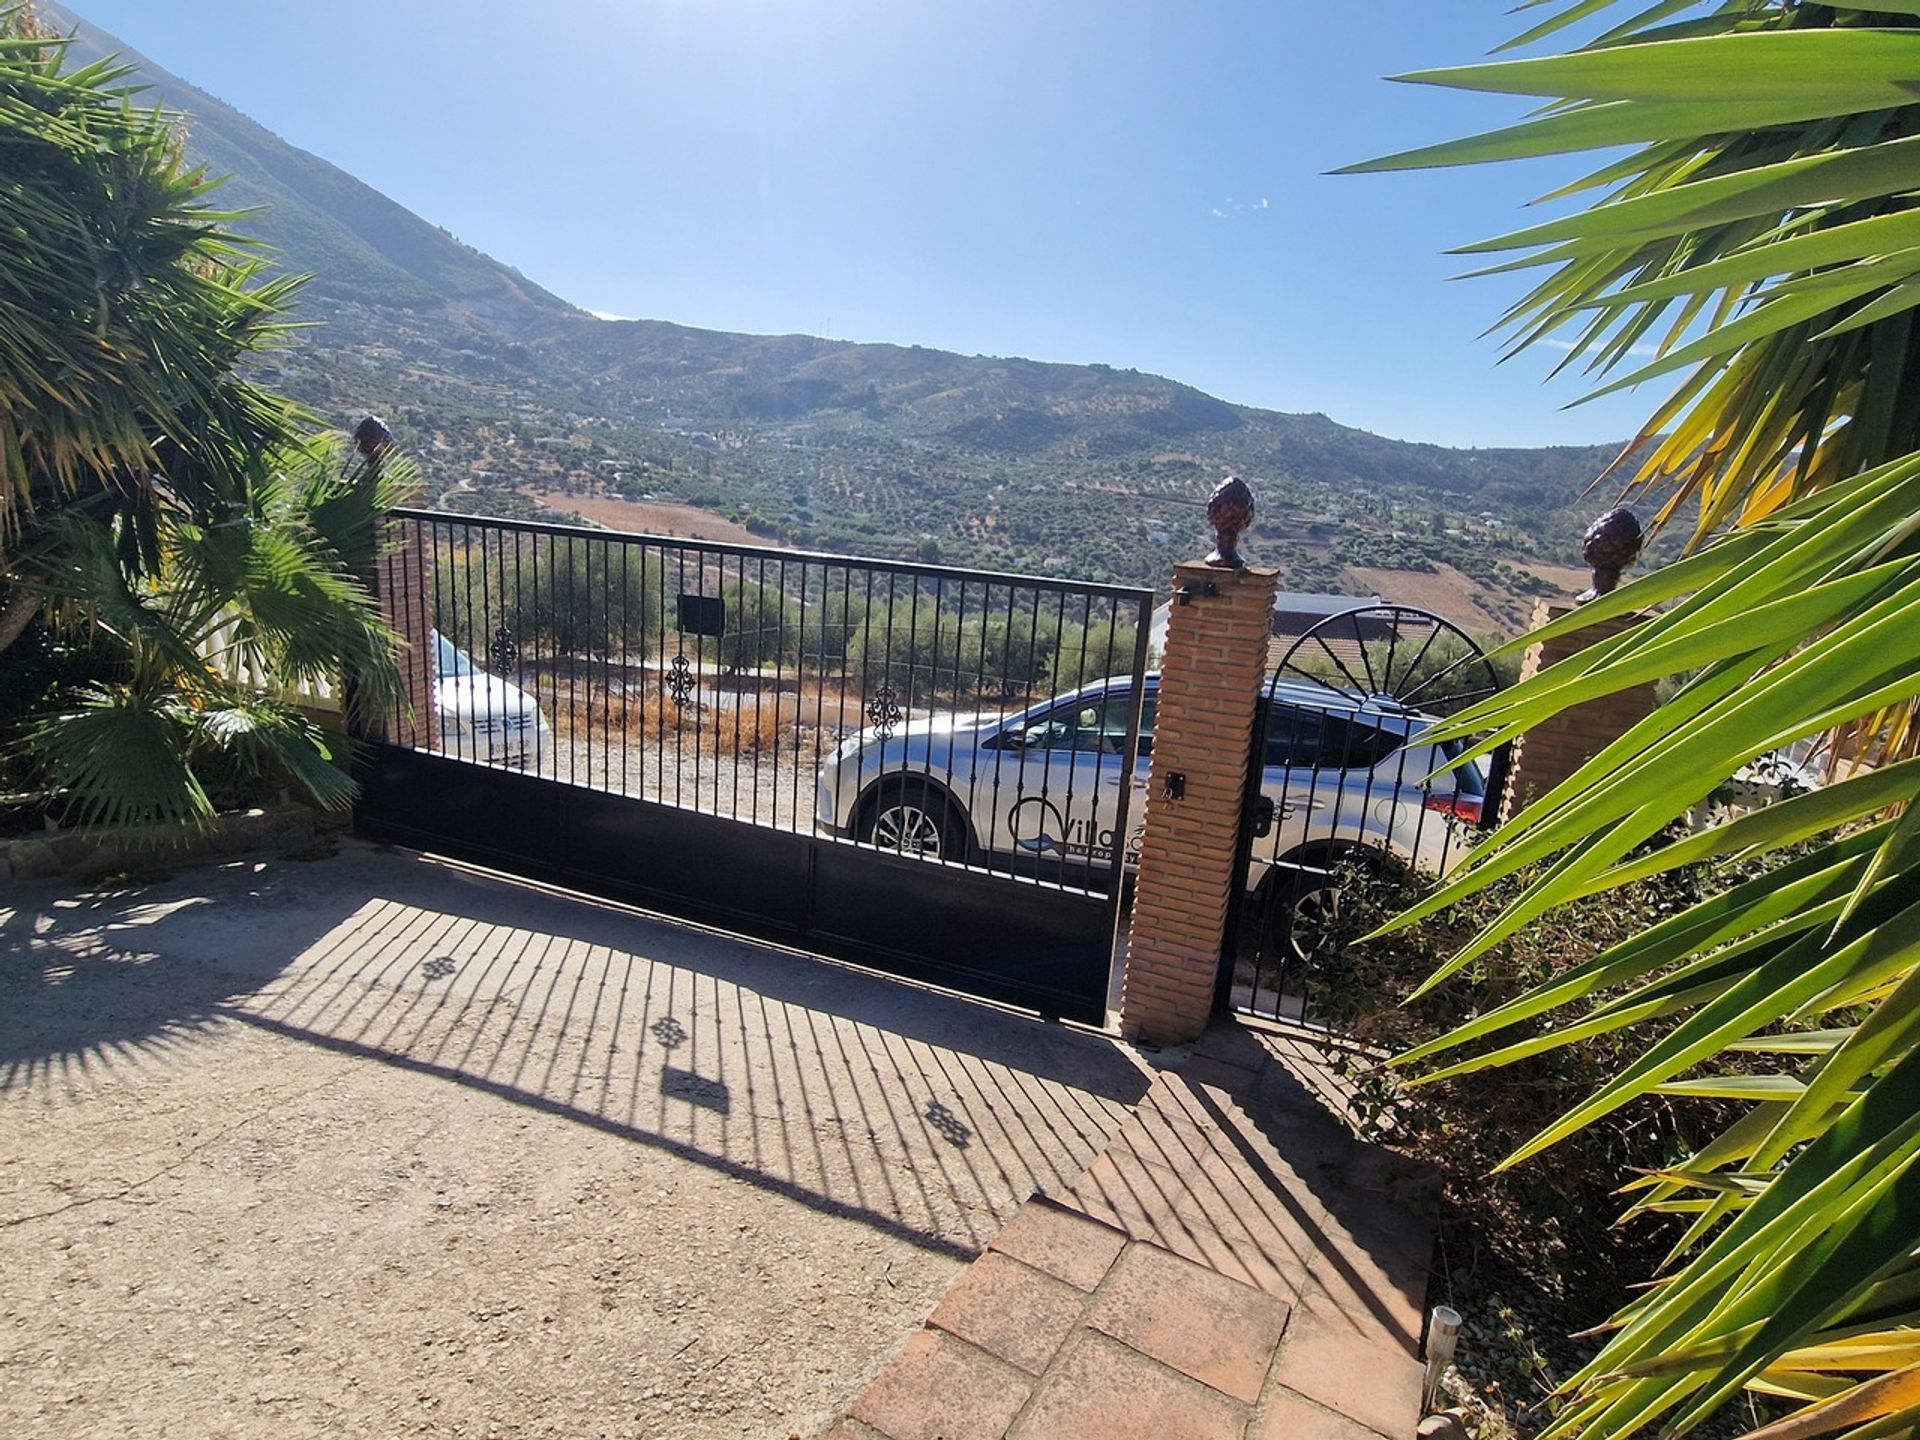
(1761, 235)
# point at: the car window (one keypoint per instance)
(1096, 727)
(1467, 779)
(1320, 740)
(448, 659)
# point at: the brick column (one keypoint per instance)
(400, 578)
(1210, 674)
(1551, 752)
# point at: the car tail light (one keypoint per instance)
(1461, 807)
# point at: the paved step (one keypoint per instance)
(1233, 1266)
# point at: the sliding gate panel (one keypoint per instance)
(924, 769)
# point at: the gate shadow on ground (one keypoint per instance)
(922, 1114)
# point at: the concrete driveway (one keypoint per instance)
(372, 1145)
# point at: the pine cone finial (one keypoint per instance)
(372, 437)
(1230, 512)
(1611, 544)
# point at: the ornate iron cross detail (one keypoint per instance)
(883, 711)
(680, 682)
(503, 651)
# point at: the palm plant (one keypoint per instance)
(153, 503)
(199, 654)
(1760, 235)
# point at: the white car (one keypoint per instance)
(480, 716)
(1038, 792)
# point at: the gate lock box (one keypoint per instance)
(1262, 816)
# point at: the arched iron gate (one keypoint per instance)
(1343, 799)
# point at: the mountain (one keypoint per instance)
(357, 244)
(517, 402)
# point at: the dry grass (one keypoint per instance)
(653, 517)
(758, 724)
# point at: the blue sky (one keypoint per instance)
(1138, 182)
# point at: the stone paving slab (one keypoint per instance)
(1013, 1311)
(1233, 1266)
(1195, 1320)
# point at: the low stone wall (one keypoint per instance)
(83, 855)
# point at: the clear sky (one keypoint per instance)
(1139, 182)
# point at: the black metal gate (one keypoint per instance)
(1348, 816)
(928, 770)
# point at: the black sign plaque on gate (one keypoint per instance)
(703, 615)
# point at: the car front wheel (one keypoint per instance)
(914, 820)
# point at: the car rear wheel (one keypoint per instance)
(1310, 916)
(914, 819)
(1307, 918)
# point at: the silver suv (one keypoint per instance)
(1038, 792)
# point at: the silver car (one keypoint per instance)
(1038, 792)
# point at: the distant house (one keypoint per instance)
(1297, 611)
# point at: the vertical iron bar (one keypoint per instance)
(777, 687)
(955, 684)
(626, 664)
(486, 607)
(430, 560)
(680, 711)
(526, 589)
(657, 781)
(603, 632)
(573, 673)
(1046, 757)
(933, 693)
(463, 596)
(1073, 762)
(906, 705)
(1123, 760)
(1001, 815)
(1239, 902)
(846, 653)
(1130, 760)
(740, 691)
(866, 665)
(803, 796)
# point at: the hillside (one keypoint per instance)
(517, 402)
(357, 244)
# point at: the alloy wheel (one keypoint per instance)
(908, 829)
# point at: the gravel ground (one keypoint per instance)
(367, 1146)
(727, 785)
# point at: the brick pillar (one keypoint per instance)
(1210, 674)
(1551, 752)
(401, 580)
